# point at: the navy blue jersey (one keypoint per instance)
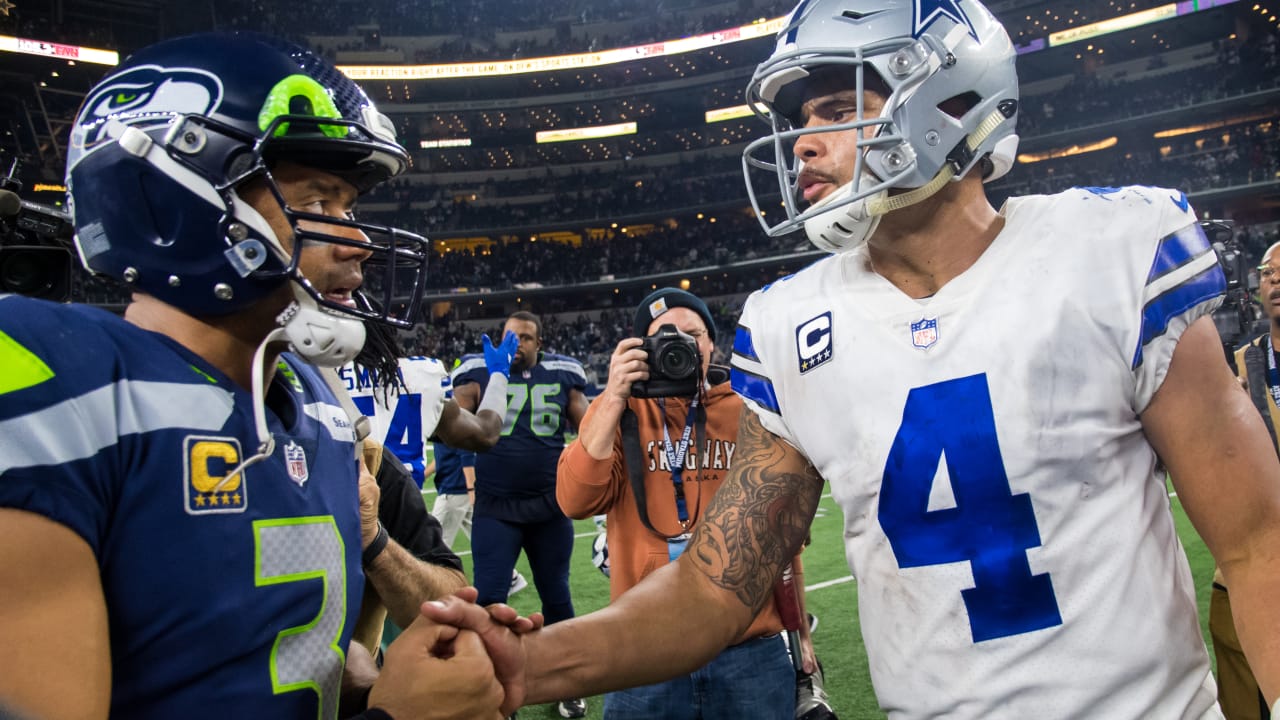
(227, 596)
(523, 463)
(449, 463)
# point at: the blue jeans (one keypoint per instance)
(753, 680)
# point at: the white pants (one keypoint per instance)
(454, 514)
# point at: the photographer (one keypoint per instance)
(664, 430)
(1256, 364)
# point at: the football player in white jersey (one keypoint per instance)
(410, 399)
(993, 396)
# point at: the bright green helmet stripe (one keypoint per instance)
(21, 367)
(280, 97)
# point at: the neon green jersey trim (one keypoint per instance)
(20, 367)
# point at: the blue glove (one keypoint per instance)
(498, 358)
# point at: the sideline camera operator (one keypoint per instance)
(1256, 366)
(35, 255)
(651, 452)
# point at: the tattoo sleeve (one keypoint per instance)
(759, 517)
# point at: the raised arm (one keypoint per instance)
(473, 420)
(56, 661)
(1225, 471)
(467, 430)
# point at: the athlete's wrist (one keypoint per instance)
(495, 396)
(375, 546)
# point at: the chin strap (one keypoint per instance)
(948, 171)
(266, 441)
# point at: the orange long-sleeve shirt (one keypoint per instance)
(586, 487)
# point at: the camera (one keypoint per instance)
(1237, 319)
(35, 239)
(675, 365)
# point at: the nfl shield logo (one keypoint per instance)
(295, 460)
(924, 333)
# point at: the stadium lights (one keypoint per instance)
(1236, 120)
(1133, 20)
(1068, 151)
(565, 62)
(587, 133)
(731, 113)
(58, 50)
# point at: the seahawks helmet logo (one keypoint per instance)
(145, 96)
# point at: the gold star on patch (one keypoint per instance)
(6, 6)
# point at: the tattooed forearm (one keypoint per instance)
(758, 519)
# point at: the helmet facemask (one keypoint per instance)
(916, 144)
(180, 128)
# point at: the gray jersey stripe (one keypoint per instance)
(80, 427)
(466, 366)
(568, 365)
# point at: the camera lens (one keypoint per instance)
(677, 361)
(36, 272)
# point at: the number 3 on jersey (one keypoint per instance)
(988, 527)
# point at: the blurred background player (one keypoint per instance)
(454, 475)
(515, 503)
(408, 400)
(1256, 363)
(181, 449)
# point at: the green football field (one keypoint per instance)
(832, 596)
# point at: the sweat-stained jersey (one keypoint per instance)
(1005, 517)
(227, 597)
(402, 421)
(522, 466)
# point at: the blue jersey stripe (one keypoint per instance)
(756, 388)
(1177, 250)
(742, 344)
(1206, 285)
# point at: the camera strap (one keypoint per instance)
(1255, 371)
(635, 460)
(677, 454)
(1273, 375)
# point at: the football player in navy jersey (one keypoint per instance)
(515, 500)
(178, 488)
(995, 397)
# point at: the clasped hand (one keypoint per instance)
(500, 629)
(437, 672)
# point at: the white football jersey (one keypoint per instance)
(1005, 518)
(404, 421)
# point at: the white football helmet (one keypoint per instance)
(927, 53)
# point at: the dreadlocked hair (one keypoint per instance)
(381, 356)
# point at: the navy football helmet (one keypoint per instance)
(160, 146)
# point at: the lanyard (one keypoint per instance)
(1273, 375)
(676, 455)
